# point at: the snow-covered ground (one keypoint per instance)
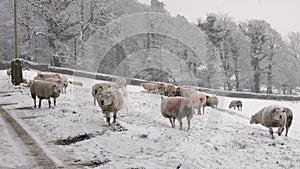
(142, 137)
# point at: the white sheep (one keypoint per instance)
(122, 83)
(110, 101)
(149, 86)
(8, 72)
(44, 90)
(270, 116)
(199, 100)
(46, 75)
(98, 87)
(177, 108)
(77, 83)
(62, 80)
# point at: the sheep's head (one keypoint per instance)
(253, 120)
(106, 99)
(278, 113)
(56, 89)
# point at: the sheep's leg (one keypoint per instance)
(107, 118)
(34, 100)
(271, 132)
(40, 102)
(286, 131)
(203, 109)
(49, 103)
(189, 117)
(115, 116)
(199, 110)
(173, 123)
(280, 130)
(189, 123)
(54, 101)
(170, 119)
(95, 101)
(180, 122)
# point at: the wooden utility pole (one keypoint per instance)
(15, 29)
(16, 64)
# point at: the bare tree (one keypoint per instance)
(256, 31)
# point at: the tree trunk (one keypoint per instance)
(227, 84)
(236, 73)
(269, 79)
(256, 77)
(270, 75)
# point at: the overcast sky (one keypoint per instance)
(283, 15)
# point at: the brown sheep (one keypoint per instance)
(44, 90)
(177, 108)
(236, 104)
(212, 101)
(170, 90)
(271, 116)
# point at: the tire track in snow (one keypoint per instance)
(39, 155)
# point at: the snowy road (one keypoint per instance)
(13, 147)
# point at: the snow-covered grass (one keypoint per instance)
(143, 138)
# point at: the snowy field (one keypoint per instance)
(75, 133)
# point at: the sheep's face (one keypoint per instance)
(106, 99)
(65, 83)
(278, 113)
(253, 120)
(56, 89)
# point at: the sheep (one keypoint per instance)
(64, 81)
(75, 83)
(52, 79)
(8, 72)
(122, 83)
(149, 86)
(270, 116)
(177, 108)
(212, 101)
(236, 103)
(170, 90)
(289, 119)
(47, 75)
(44, 90)
(110, 100)
(161, 88)
(199, 101)
(178, 91)
(98, 87)
(187, 92)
